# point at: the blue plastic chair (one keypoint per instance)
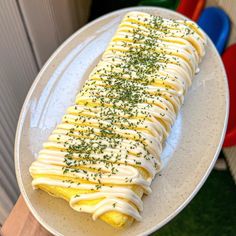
(215, 22)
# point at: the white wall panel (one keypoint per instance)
(17, 72)
(50, 22)
(30, 30)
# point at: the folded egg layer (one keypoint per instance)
(104, 154)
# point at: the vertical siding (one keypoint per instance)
(30, 32)
(50, 22)
(17, 71)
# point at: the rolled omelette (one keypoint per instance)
(105, 153)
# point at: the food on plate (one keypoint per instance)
(105, 153)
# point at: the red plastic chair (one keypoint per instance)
(229, 59)
(191, 8)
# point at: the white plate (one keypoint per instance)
(189, 155)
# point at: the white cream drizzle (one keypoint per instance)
(139, 143)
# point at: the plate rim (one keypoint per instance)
(37, 80)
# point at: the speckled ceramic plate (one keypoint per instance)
(190, 150)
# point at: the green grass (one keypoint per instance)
(211, 213)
